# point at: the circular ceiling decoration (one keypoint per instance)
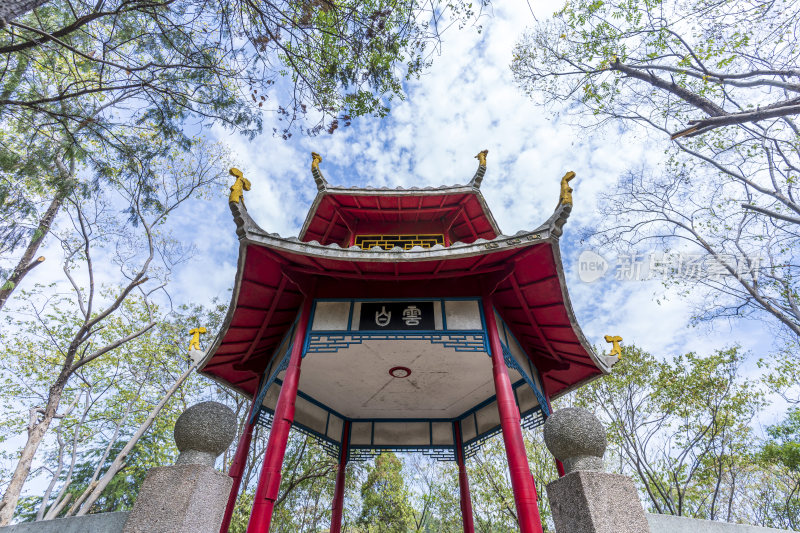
(400, 372)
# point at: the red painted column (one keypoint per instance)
(238, 465)
(269, 481)
(560, 468)
(463, 482)
(559, 464)
(338, 491)
(521, 479)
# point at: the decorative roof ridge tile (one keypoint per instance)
(332, 189)
(334, 251)
(247, 229)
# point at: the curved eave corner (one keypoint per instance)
(245, 226)
(248, 230)
(212, 350)
(602, 362)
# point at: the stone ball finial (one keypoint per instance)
(576, 438)
(203, 432)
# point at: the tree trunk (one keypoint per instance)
(26, 262)
(36, 432)
(10, 9)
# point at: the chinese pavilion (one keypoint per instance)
(418, 325)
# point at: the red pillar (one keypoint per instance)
(338, 490)
(238, 465)
(560, 468)
(269, 481)
(521, 479)
(463, 482)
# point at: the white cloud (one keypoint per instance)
(466, 102)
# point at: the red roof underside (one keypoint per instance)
(529, 300)
(460, 217)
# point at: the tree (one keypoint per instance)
(306, 489)
(82, 83)
(493, 502)
(385, 507)
(492, 499)
(306, 486)
(433, 493)
(84, 91)
(681, 427)
(780, 455)
(153, 449)
(728, 188)
(118, 401)
(74, 331)
(128, 406)
(15, 8)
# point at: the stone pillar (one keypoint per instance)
(587, 499)
(190, 496)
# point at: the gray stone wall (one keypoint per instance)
(93, 523)
(661, 523)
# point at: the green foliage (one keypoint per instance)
(492, 499)
(306, 487)
(779, 498)
(106, 402)
(384, 497)
(241, 513)
(681, 427)
(307, 482)
(154, 449)
(784, 444)
(493, 502)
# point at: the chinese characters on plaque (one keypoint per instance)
(397, 316)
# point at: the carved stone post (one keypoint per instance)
(190, 496)
(587, 499)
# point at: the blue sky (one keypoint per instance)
(465, 103)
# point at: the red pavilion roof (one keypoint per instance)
(523, 271)
(459, 213)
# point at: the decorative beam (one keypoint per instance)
(400, 210)
(267, 318)
(330, 226)
(531, 283)
(451, 219)
(531, 319)
(469, 223)
(390, 276)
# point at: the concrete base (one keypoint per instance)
(92, 523)
(180, 499)
(661, 523)
(596, 502)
